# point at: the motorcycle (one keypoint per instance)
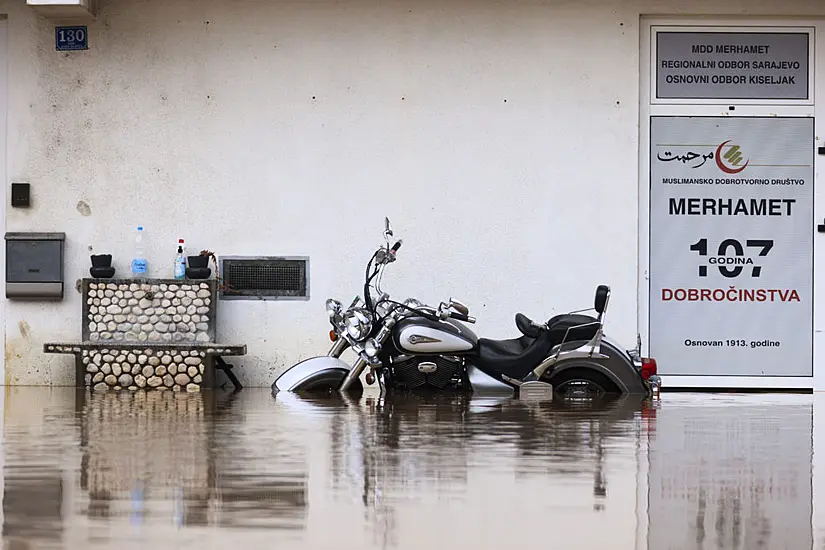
(411, 346)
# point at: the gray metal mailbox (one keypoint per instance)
(34, 266)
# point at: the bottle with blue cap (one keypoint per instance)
(139, 267)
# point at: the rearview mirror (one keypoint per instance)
(387, 227)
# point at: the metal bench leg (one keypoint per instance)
(227, 369)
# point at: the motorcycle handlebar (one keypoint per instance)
(460, 317)
(396, 246)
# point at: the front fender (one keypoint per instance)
(317, 373)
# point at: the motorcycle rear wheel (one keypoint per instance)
(582, 383)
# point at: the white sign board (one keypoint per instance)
(732, 65)
(731, 245)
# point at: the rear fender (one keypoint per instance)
(617, 347)
(618, 367)
(317, 373)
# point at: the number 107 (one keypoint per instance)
(723, 259)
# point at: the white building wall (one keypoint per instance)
(500, 138)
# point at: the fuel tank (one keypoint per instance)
(422, 336)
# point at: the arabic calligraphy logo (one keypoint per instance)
(729, 162)
(686, 158)
(733, 158)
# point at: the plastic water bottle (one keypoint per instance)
(180, 262)
(139, 267)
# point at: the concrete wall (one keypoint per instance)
(501, 139)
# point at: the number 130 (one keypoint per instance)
(72, 35)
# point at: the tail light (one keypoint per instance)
(648, 367)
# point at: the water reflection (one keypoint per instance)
(157, 448)
(732, 473)
(33, 504)
(144, 459)
(164, 469)
(401, 452)
(145, 448)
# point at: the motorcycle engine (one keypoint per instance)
(410, 372)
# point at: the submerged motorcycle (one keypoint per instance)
(413, 346)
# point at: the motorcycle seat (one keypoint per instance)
(514, 358)
(512, 346)
(585, 327)
(527, 326)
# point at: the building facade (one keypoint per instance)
(525, 152)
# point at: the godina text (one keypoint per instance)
(730, 207)
(730, 294)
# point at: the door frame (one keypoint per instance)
(743, 108)
(4, 102)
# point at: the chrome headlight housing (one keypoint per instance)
(357, 323)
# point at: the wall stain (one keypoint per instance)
(25, 329)
(11, 352)
(84, 208)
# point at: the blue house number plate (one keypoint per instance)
(71, 38)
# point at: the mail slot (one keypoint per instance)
(34, 266)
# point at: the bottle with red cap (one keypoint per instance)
(180, 261)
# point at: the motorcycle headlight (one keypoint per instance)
(357, 323)
(334, 308)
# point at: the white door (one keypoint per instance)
(728, 248)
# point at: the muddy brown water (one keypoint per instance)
(248, 470)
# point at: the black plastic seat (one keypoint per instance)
(514, 358)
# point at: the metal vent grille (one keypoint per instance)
(265, 278)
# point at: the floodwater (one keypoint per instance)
(248, 470)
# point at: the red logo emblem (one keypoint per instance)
(729, 162)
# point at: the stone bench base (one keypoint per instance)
(131, 366)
